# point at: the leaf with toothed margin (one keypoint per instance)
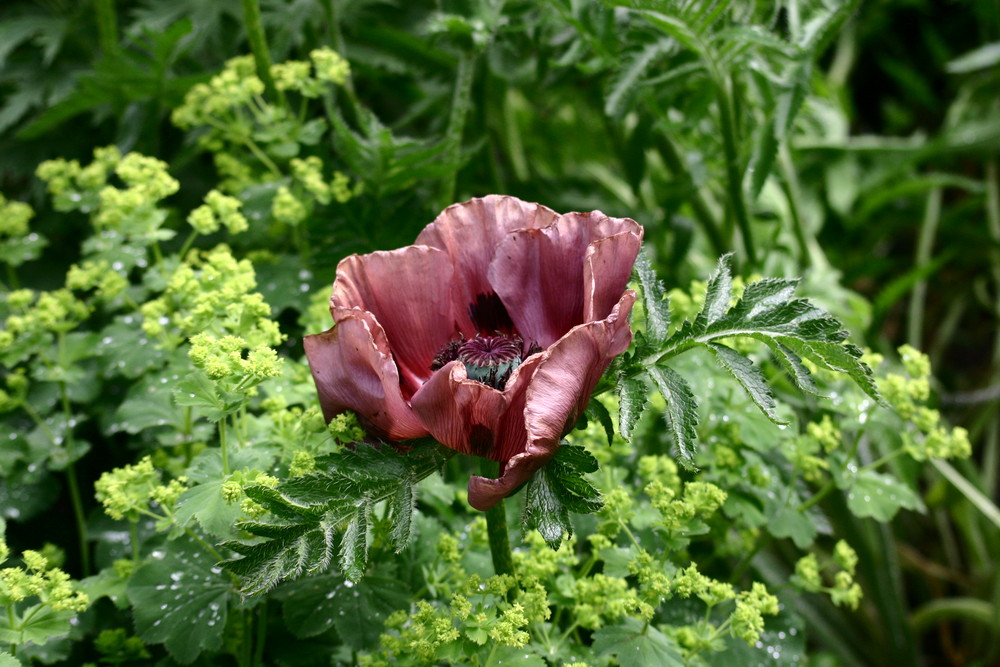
(681, 413)
(180, 598)
(750, 378)
(655, 305)
(558, 489)
(326, 514)
(632, 397)
(597, 410)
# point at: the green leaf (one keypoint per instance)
(558, 489)
(632, 397)
(655, 305)
(750, 378)
(180, 599)
(36, 625)
(205, 503)
(681, 414)
(597, 410)
(328, 512)
(544, 511)
(718, 292)
(197, 390)
(626, 77)
(358, 610)
(7, 660)
(880, 496)
(788, 521)
(637, 644)
(986, 56)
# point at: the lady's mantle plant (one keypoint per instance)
(489, 334)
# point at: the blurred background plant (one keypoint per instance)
(854, 144)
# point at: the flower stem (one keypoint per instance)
(496, 527)
(461, 103)
(258, 45)
(107, 25)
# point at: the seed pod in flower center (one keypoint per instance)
(490, 359)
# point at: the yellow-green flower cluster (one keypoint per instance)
(845, 590)
(147, 181)
(654, 582)
(218, 210)
(287, 208)
(601, 599)
(308, 173)
(74, 187)
(906, 393)
(700, 499)
(748, 617)
(235, 86)
(419, 635)
(690, 582)
(96, 275)
(57, 311)
(16, 392)
(540, 562)
(127, 491)
(14, 217)
(330, 66)
(212, 293)
(37, 578)
(233, 358)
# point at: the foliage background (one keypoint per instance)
(853, 144)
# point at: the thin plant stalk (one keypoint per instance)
(461, 102)
(734, 176)
(258, 46)
(925, 245)
(107, 25)
(496, 528)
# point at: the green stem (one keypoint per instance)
(496, 527)
(81, 520)
(133, 529)
(223, 445)
(460, 105)
(925, 244)
(699, 205)
(734, 176)
(258, 654)
(258, 45)
(107, 25)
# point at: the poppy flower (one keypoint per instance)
(488, 334)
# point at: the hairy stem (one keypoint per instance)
(496, 527)
(258, 45)
(734, 176)
(460, 105)
(925, 244)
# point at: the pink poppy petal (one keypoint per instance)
(461, 414)
(558, 392)
(539, 273)
(352, 373)
(470, 233)
(607, 267)
(407, 290)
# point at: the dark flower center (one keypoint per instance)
(490, 359)
(495, 351)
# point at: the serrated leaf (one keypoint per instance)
(358, 611)
(544, 511)
(750, 378)
(7, 660)
(632, 398)
(681, 414)
(789, 522)
(205, 504)
(625, 80)
(637, 644)
(353, 556)
(718, 292)
(181, 599)
(597, 410)
(37, 624)
(310, 511)
(654, 303)
(880, 496)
